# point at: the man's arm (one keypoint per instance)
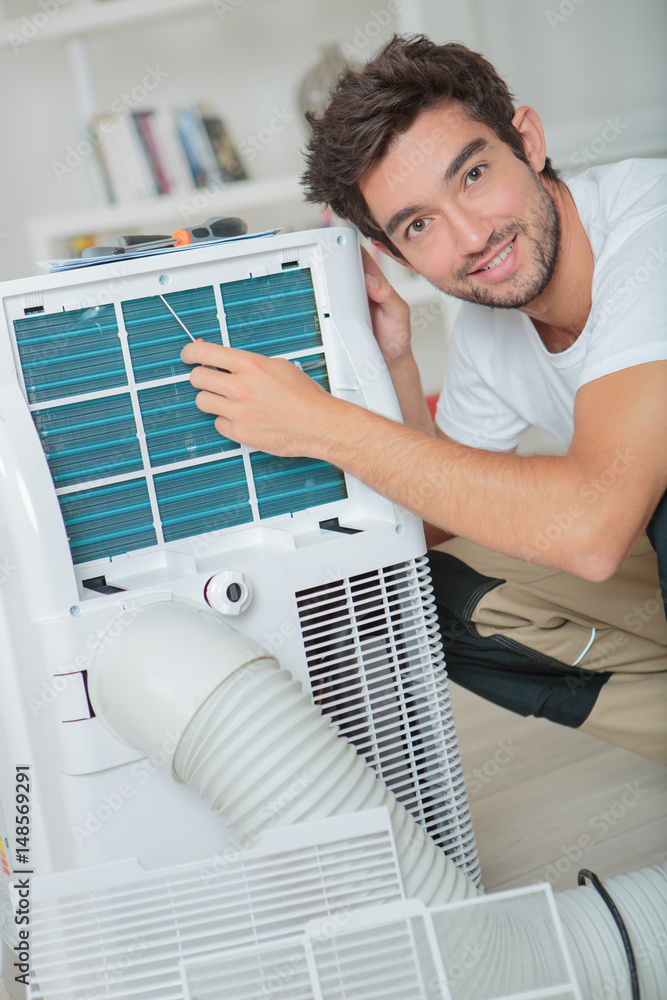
(582, 512)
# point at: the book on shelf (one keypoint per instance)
(225, 154)
(152, 152)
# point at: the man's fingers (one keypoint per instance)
(224, 426)
(213, 355)
(212, 402)
(377, 286)
(214, 379)
(370, 265)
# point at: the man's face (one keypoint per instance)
(464, 211)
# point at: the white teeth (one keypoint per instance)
(501, 256)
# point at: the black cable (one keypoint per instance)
(584, 874)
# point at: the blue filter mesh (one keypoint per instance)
(70, 353)
(156, 339)
(316, 367)
(273, 313)
(285, 485)
(175, 429)
(93, 439)
(204, 498)
(99, 437)
(108, 520)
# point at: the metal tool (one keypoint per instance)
(216, 228)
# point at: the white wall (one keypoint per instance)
(578, 62)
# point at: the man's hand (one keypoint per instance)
(265, 403)
(390, 315)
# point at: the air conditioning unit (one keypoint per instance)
(117, 492)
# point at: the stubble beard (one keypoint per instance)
(542, 238)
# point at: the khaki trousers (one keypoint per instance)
(543, 642)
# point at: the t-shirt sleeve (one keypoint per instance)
(469, 410)
(629, 316)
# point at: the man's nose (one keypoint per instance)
(470, 231)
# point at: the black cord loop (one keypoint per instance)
(584, 874)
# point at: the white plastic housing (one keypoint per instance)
(340, 588)
(155, 676)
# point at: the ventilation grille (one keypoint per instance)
(155, 336)
(376, 671)
(506, 946)
(133, 460)
(70, 353)
(273, 314)
(126, 932)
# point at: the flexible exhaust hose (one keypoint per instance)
(595, 944)
(259, 736)
(260, 752)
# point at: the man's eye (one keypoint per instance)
(418, 226)
(474, 175)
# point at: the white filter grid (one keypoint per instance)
(78, 935)
(139, 422)
(364, 961)
(281, 971)
(147, 904)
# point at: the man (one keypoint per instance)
(547, 585)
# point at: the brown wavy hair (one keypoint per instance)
(370, 106)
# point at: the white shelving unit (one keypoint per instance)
(266, 201)
(73, 27)
(95, 15)
(81, 50)
(164, 213)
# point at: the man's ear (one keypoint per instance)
(528, 125)
(399, 260)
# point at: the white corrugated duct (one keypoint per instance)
(247, 729)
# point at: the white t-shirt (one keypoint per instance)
(500, 377)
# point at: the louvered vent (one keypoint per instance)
(376, 671)
(120, 931)
(134, 462)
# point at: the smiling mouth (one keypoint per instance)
(497, 260)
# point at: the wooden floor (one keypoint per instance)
(547, 800)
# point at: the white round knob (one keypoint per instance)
(228, 592)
